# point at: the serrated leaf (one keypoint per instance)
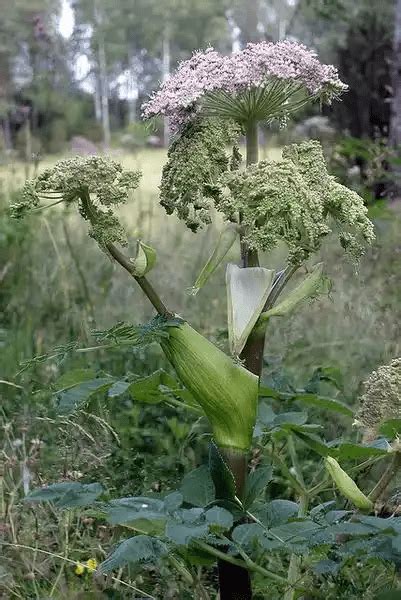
(326, 567)
(290, 418)
(79, 395)
(138, 549)
(71, 378)
(219, 517)
(67, 494)
(277, 512)
(149, 389)
(221, 474)
(118, 388)
(197, 487)
(256, 482)
(183, 533)
(246, 533)
(349, 451)
(313, 442)
(323, 403)
(173, 501)
(131, 510)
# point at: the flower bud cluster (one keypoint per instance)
(381, 399)
(295, 201)
(196, 160)
(100, 180)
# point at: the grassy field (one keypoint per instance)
(56, 286)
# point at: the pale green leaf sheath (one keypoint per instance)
(247, 292)
(227, 392)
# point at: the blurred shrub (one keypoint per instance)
(363, 165)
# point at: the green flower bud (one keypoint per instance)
(310, 287)
(144, 260)
(226, 240)
(226, 391)
(346, 485)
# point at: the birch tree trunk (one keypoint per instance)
(103, 80)
(165, 74)
(395, 120)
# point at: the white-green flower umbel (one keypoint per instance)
(103, 182)
(296, 201)
(381, 400)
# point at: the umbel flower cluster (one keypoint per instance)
(293, 200)
(381, 399)
(253, 68)
(296, 201)
(96, 183)
(196, 160)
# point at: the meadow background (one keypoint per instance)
(56, 287)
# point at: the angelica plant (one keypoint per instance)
(211, 101)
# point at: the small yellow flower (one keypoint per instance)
(79, 569)
(91, 564)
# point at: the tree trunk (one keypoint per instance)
(395, 120)
(103, 80)
(165, 74)
(395, 125)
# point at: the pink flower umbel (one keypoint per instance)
(263, 81)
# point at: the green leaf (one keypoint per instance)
(246, 533)
(219, 517)
(148, 389)
(277, 512)
(79, 395)
(67, 494)
(313, 441)
(323, 403)
(130, 510)
(331, 375)
(221, 474)
(226, 239)
(71, 378)
(197, 487)
(183, 533)
(391, 428)
(268, 392)
(138, 549)
(349, 451)
(118, 388)
(326, 567)
(291, 418)
(173, 501)
(256, 483)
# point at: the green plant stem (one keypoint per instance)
(246, 563)
(298, 487)
(125, 262)
(295, 561)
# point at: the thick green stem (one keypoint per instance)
(294, 569)
(234, 580)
